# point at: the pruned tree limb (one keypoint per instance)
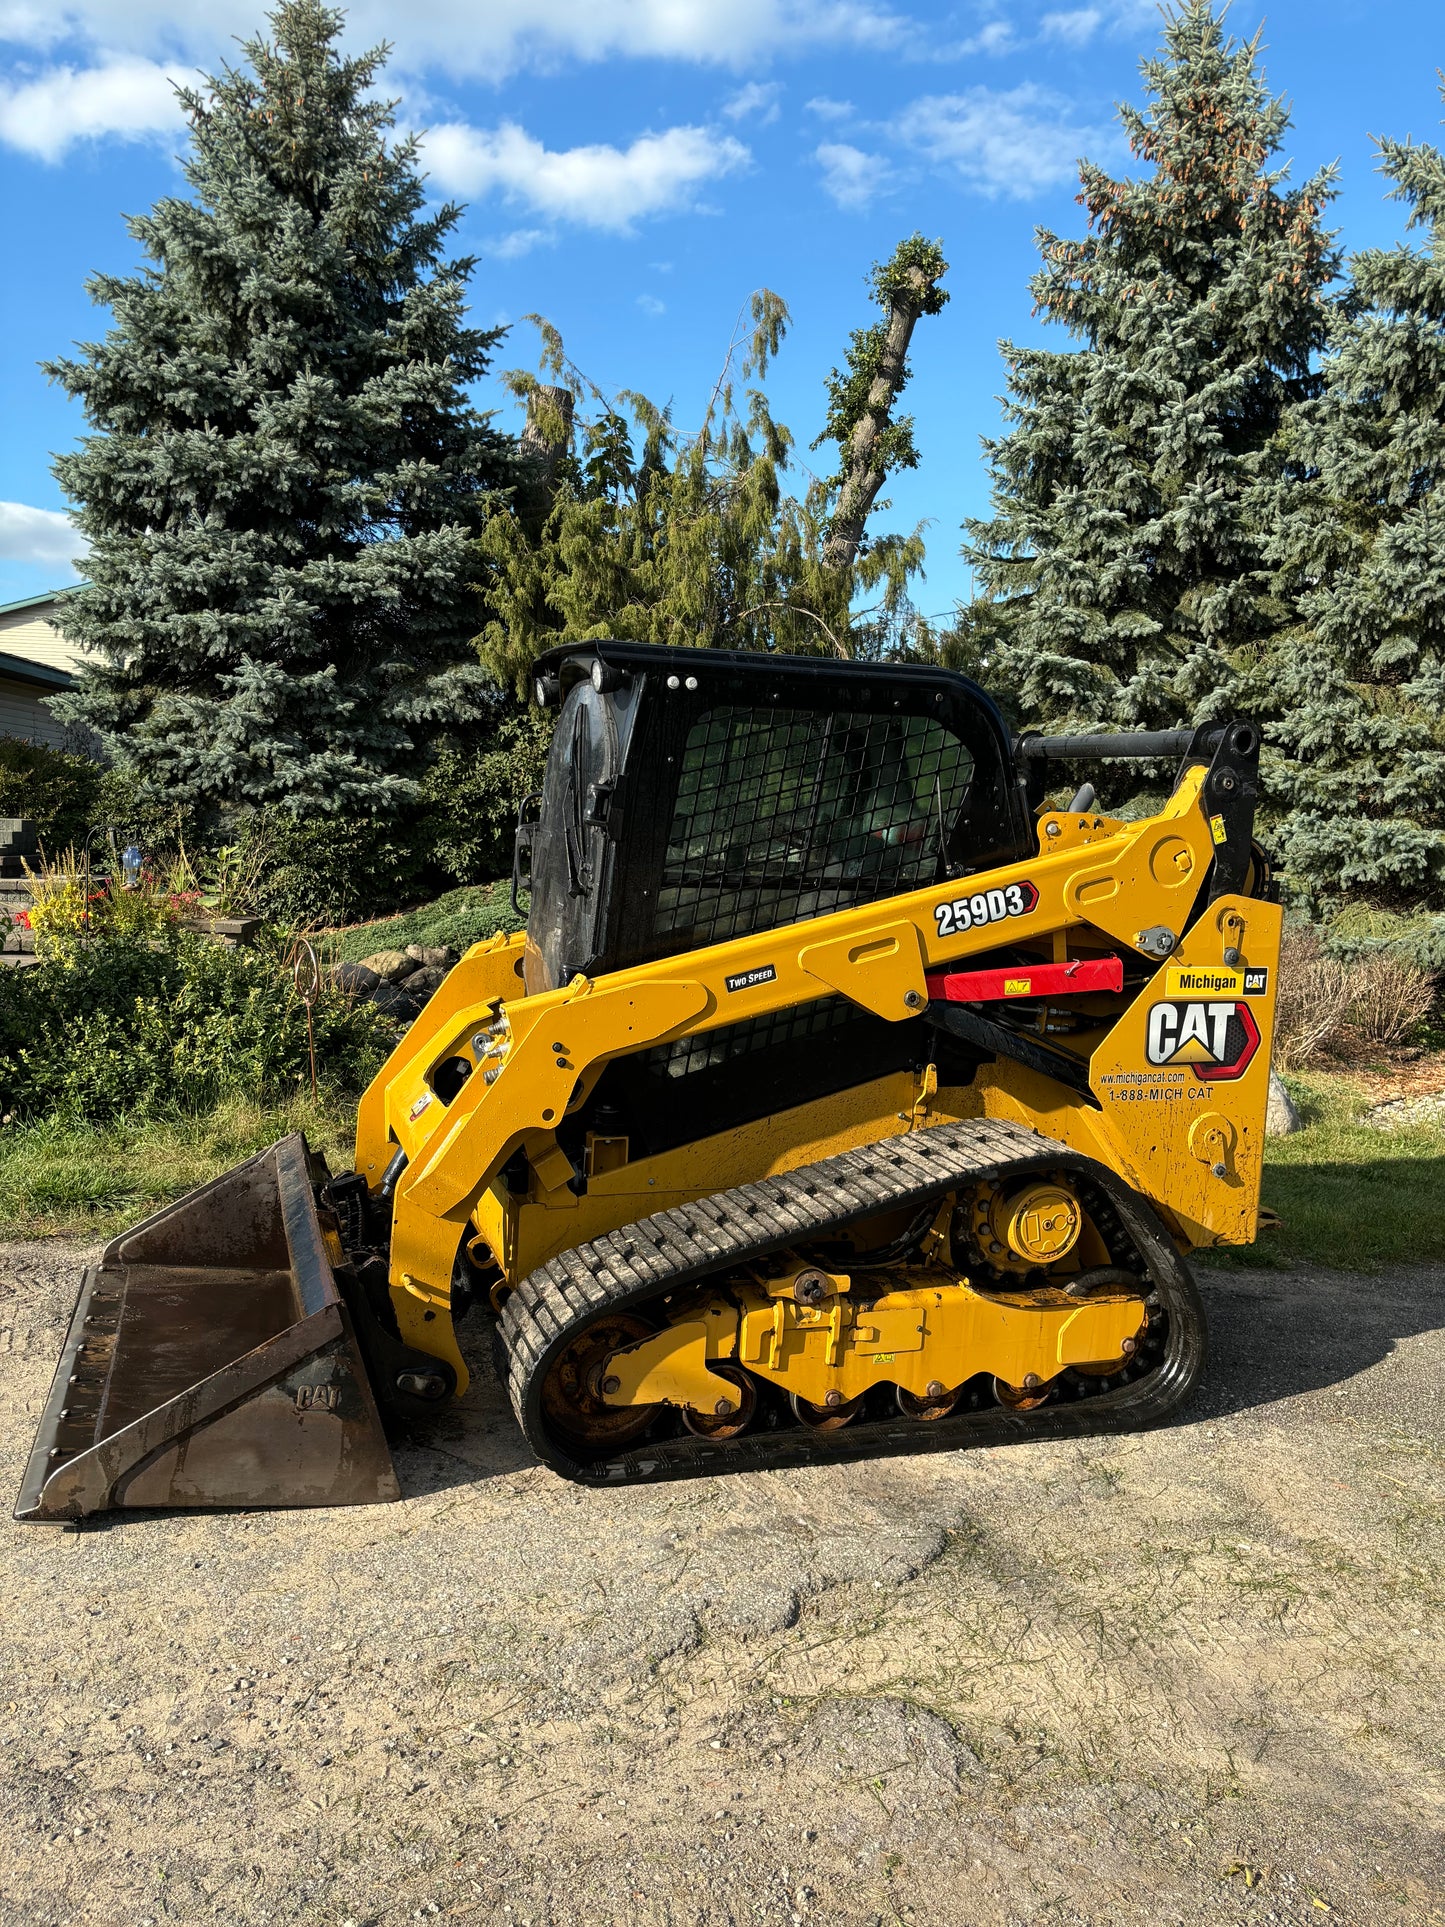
(860, 418)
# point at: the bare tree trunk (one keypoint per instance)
(546, 437)
(863, 469)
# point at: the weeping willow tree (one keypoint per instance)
(628, 527)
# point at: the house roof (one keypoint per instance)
(34, 601)
(39, 675)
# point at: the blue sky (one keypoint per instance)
(634, 168)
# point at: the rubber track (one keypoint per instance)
(680, 1246)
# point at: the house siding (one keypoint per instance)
(23, 712)
(29, 632)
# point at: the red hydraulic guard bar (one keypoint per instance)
(1026, 980)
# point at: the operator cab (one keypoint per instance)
(693, 796)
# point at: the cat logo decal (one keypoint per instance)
(1218, 1040)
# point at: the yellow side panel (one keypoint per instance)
(1183, 1077)
(523, 1234)
(487, 971)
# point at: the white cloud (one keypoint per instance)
(489, 41)
(596, 186)
(996, 38)
(41, 536)
(759, 97)
(1010, 143)
(522, 240)
(827, 109)
(650, 304)
(133, 99)
(850, 177)
(1075, 29)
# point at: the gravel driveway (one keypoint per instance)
(1193, 1677)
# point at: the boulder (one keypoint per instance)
(431, 956)
(390, 965)
(421, 983)
(354, 978)
(396, 1001)
(1281, 1116)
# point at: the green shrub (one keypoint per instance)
(329, 870)
(124, 1028)
(59, 793)
(1361, 929)
(470, 797)
(320, 872)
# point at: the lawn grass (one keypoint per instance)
(59, 1175)
(459, 918)
(1348, 1195)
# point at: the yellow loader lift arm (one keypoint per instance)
(840, 1097)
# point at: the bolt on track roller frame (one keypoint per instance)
(211, 1361)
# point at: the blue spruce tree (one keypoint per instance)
(1124, 578)
(1359, 763)
(287, 478)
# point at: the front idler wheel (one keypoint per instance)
(571, 1394)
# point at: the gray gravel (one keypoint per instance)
(1187, 1677)
(1404, 1111)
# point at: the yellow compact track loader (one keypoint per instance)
(840, 1098)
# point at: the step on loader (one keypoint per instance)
(841, 1097)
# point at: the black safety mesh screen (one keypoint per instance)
(769, 1033)
(784, 814)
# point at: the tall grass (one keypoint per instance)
(1349, 1195)
(65, 1175)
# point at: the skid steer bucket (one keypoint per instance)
(211, 1361)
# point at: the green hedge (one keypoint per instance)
(332, 870)
(121, 1029)
(60, 794)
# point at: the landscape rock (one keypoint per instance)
(421, 983)
(396, 1000)
(392, 965)
(432, 956)
(1281, 1117)
(355, 978)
